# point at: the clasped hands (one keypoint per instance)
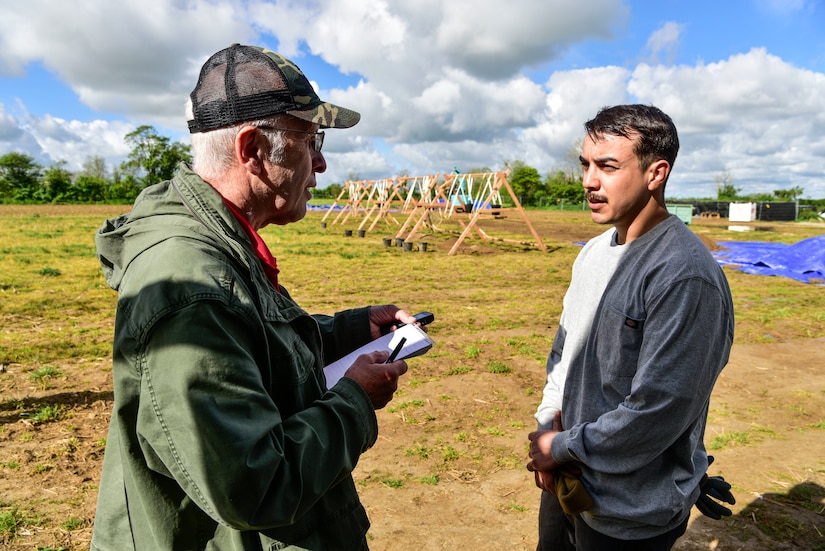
(545, 469)
(542, 464)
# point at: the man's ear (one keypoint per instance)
(249, 149)
(658, 172)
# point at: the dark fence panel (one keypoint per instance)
(721, 207)
(769, 211)
(776, 212)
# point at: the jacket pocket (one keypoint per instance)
(619, 339)
(291, 360)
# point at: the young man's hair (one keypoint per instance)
(652, 131)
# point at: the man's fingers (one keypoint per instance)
(718, 488)
(711, 509)
(703, 508)
(557, 421)
(722, 494)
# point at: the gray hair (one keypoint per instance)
(213, 152)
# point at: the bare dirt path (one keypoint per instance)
(770, 400)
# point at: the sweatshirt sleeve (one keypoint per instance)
(686, 338)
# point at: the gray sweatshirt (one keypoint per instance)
(636, 394)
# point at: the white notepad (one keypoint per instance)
(417, 343)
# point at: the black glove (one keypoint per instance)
(714, 487)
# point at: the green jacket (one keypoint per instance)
(223, 434)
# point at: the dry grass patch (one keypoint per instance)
(453, 442)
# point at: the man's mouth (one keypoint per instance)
(594, 198)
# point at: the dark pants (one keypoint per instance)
(555, 528)
(560, 532)
(588, 539)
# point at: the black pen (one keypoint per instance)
(395, 352)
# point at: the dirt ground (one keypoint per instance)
(770, 395)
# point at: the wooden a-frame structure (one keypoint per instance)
(431, 198)
(493, 192)
(389, 193)
(454, 198)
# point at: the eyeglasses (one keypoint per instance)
(317, 143)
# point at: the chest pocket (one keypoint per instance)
(293, 341)
(619, 341)
(290, 359)
(292, 378)
(293, 350)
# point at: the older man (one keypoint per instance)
(224, 434)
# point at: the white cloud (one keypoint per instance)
(9, 126)
(413, 52)
(440, 84)
(752, 114)
(664, 41)
(135, 57)
(786, 7)
(409, 41)
(491, 41)
(74, 141)
(574, 97)
(359, 163)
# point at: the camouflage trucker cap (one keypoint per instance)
(243, 83)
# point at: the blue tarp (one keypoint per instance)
(802, 261)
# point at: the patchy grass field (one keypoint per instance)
(448, 469)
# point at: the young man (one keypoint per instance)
(224, 434)
(646, 329)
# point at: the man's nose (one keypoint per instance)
(589, 180)
(319, 163)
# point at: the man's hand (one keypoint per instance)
(387, 315)
(714, 487)
(557, 421)
(540, 457)
(546, 481)
(379, 380)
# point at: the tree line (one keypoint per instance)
(154, 158)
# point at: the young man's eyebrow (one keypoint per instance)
(598, 160)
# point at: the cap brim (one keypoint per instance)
(328, 115)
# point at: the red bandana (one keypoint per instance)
(268, 262)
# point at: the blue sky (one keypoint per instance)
(465, 83)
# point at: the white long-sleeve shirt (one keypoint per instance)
(592, 269)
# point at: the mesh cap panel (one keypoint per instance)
(243, 83)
